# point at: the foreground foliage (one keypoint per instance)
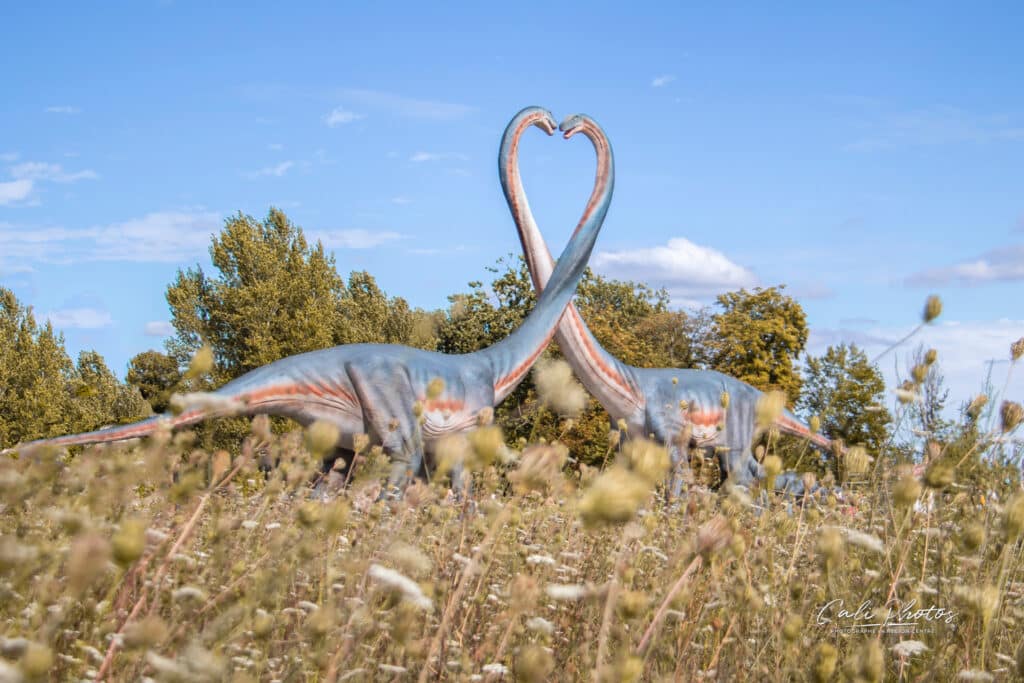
(163, 560)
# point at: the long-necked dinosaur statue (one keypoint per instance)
(372, 388)
(663, 402)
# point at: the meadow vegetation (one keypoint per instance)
(179, 559)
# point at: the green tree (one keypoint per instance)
(274, 296)
(155, 375)
(757, 338)
(98, 399)
(847, 393)
(34, 373)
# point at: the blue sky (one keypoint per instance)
(864, 156)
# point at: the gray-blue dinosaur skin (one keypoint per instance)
(662, 402)
(372, 388)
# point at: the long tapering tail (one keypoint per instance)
(119, 433)
(789, 424)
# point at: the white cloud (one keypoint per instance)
(164, 237)
(356, 238)
(1005, 264)
(661, 81)
(339, 116)
(79, 318)
(40, 170)
(63, 109)
(14, 191)
(276, 170)
(964, 351)
(407, 106)
(158, 328)
(400, 200)
(686, 269)
(420, 157)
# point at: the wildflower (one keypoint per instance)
(540, 467)
(725, 400)
(863, 540)
(769, 408)
(976, 405)
(939, 475)
(713, 536)
(815, 424)
(613, 497)
(129, 541)
(558, 389)
(1013, 516)
(392, 668)
(408, 588)
(540, 624)
(201, 363)
(534, 663)
(647, 459)
(975, 675)
(772, 465)
(486, 443)
(321, 437)
(485, 416)
(410, 558)
(931, 356)
(495, 668)
(87, 560)
(632, 604)
(972, 536)
(1011, 413)
(909, 648)
(189, 594)
(435, 388)
(830, 545)
(919, 373)
(37, 660)
(1017, 349)
(566, 591)
(825, 659)
(867, 663)
(906, 491)
(857, 460)
(541, 559)
(145, 633)
(906, 396)
(791, 628)
(932, 308)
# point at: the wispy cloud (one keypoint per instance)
(158, 328)
(340, 116)
(366, 99)
(275, 146)
(164, 237)
(687, 270)
(8, 157)
(964, 350)
(355, 238)
(400, 200)
(1005, 264)
(63, 109)
(276, 171)
(420, 157)
(79, 318)
(39, 170)
(661, 81)
(15, 191)
(931, 126)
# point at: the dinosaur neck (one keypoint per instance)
(512, 357)
(609, 380)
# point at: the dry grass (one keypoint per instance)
(159, 560)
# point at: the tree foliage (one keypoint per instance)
(847, 393)
(43, 393)
(757, 337)
(155, 375)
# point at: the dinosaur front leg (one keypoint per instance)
(386, 397)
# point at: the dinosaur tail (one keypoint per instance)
(119, 433)
(789, 424)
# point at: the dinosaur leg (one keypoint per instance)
(386, 398)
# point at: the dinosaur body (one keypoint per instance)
(680, 408)
(372, 388)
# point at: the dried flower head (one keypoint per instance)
(857, 460)
(769, 407)
(321, 437)
(558, 388)
(647, 459)
(1013, 516)
(976, 406)
(540, 467)
(932, 308)
(1017, 349)
(201, 363)
(1010, 413)
(613, 497)
(435, 388)
(725, 399)
(713, 536)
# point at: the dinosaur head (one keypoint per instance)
(574, 124)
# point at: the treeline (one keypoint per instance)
(273, 295)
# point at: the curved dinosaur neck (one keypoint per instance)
(513, 356)
(604, 376)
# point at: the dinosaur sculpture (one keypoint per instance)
(681, 408)
(372, 388)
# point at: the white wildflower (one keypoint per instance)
(308, 606)
(540, 624)
(392, 669)
(864, 540)
(250, 524)
(974, 675)
(186, 593)
(540, 559)
(909, 648)
(409, 589)
(566, 591)
(495, 668)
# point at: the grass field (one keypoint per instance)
(161, 560)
